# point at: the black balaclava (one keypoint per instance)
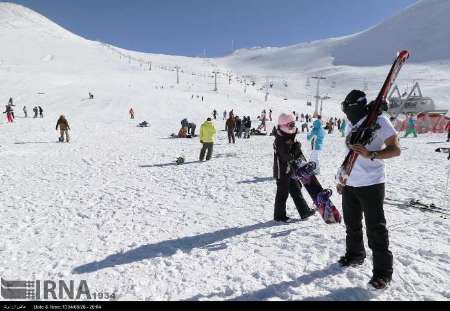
(355, 106)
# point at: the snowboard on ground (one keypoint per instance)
(363, 134)
(304, 172)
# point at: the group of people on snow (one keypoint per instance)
(9, 111)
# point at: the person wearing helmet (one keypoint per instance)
(363, 192)
(286, 150)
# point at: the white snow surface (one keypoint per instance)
(112, 207)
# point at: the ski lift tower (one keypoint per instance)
(318, 78)
(321, 102)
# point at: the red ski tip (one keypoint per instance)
(404, 54)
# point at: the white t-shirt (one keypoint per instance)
(367, 172)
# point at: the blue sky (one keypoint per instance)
(188, 27)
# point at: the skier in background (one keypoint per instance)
(343, 127)
(207, 133)
(316, 136)
(215, 114)
(191, 129)
(41, 112)
(239, 128)
(247, 127)
(363, 193)
(25, 111)
(287, 149)
(36, 111)
(411, 129)
(448, 130)
(9, 114)
(231, 127)
(131, 112)
(224, 115)
(64, 128)
(270, 115)
(263, 122)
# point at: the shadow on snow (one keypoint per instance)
(284, 289)
(170, 247)
(256, 180)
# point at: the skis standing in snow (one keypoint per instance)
(364, 192)
(286, 150)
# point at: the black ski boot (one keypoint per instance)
(308, 214)
(380, 282)
(285, 220)
(350, 262)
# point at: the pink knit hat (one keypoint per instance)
(286, 122)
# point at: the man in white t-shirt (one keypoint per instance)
(364, 192)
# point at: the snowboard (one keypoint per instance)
(303, 171)
(363, 134)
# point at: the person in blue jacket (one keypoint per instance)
(411, 126)
(316, 136)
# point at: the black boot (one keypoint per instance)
(380, 282)
(350, 262)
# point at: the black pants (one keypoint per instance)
(286, 186)
(448, 136)
(207, 147)
(231, 137)
(368, 201)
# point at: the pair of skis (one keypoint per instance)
(418, 205)
(303, 170)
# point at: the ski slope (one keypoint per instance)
(112, 207)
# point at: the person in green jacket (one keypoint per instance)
(207, 133)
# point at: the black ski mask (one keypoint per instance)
(355, 106)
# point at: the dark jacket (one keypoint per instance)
(286, 149)
(62, 124)
(231, 124)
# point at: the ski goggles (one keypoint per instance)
(291, 125)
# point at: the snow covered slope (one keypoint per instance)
(359, 61)
(423, 28)
(112, 207)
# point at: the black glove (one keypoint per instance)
(296, 152)
(383, 107)
(362, 136)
